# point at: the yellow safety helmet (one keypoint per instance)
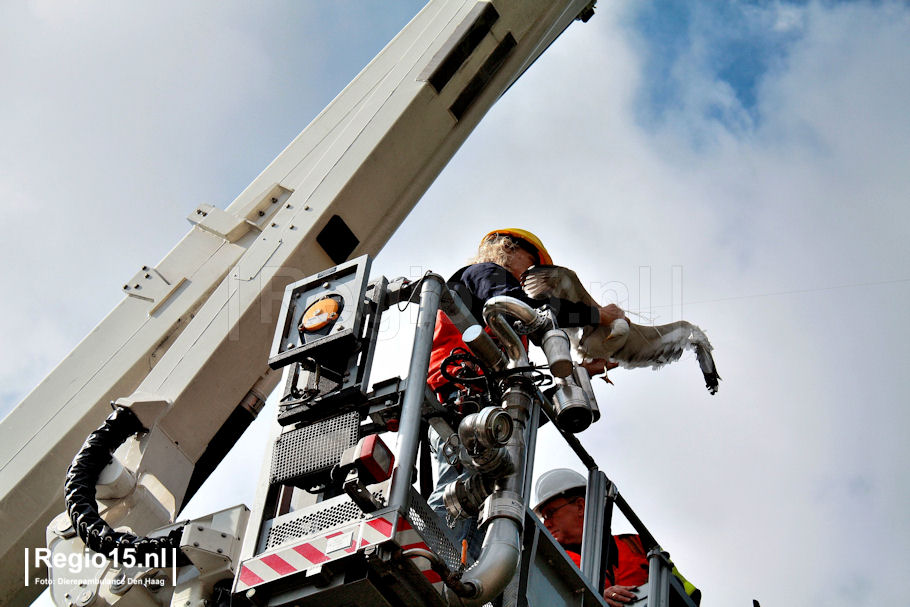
(525, 237)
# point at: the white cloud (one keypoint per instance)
(788, 18)
(812, 197)
(789, 484)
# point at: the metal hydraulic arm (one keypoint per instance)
(186, 348)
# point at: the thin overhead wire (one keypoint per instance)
(791, 292)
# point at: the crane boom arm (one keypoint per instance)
(190, 340)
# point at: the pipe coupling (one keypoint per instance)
(573, 411)
(464, 498)
(503, 504)
(558, 350)
(584, 382)
(495, 463)
(491, 427)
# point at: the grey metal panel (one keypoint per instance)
(313, 449)
(549, 577)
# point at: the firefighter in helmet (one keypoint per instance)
(561, 507)
(502, 257)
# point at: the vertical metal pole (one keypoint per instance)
(409, 426)
(592, 536)
(533, 423)
(658, 578)
(606, 542)
(426, 462)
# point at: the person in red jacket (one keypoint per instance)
(502, 257)
(561, 507)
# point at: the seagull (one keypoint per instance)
(622, 342)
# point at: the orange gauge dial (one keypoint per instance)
(320, 314)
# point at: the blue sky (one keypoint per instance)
(760, 148)
(736, 44)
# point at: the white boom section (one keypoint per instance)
(190, 341)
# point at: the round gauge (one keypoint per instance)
(320, 314)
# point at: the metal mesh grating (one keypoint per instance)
(310, 522)
(314, 448)
(427, 524)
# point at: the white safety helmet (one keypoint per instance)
(556, 482)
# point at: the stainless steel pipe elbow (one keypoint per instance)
(508, 339)
(496, 566)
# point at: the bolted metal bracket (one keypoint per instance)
(208, 549)
(219, 222)
(612, 490)
(661, 555)
(361, 496)
(149, 285)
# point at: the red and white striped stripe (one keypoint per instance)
(338, 543)
(408, 537)
(315, 551)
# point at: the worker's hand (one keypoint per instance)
(620, 595)
(598, 365)
(611, 312)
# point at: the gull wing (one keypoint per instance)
(542, 282)
(656, 346)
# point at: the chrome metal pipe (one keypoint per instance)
(517, 402)
(573, 411)
(501, 549)
(458, 313)
(558, 350)
(511, 343)
(570, 439)
(514, 307)
(583, 379)
(496, 566)
(431, 289)
(483, 346)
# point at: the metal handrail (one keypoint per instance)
(598, 519)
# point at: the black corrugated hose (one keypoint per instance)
(79, 496)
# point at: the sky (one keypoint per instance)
(742, 165)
